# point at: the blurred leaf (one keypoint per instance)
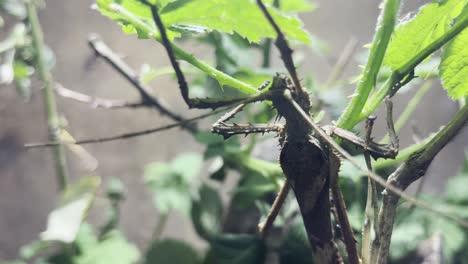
(236, 249)
(171, 251)
(454, 66)
(295, 246)
(14, 7)
(255, 79)
(113, 248)
(32, 249)
(432, 21)
(172, 183)
(208, 138)
(216, 145)
(207, 212)
(251, 187)
(456, 186)
(64, 222)
(115, 189)
(406, 237)
(348, 170)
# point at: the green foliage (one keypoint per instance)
(225, 16)
(112, 248)
(236, 249)
(64, 222)
(454, 66)
(172, 183)
(170, 251)
(207, 212)
(432, 21)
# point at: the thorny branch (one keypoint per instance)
(411, 170)
(103, 51)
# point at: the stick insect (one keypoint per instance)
(307, 158)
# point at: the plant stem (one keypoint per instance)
(221, 77)
(414, 168)
(49, 96)
(410, 107)
(402, 155)
(398, 74)
(382, 37)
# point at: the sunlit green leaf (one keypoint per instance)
(454, 66)
(241, 16)
(432, 21)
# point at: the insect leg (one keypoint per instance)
(227, 130)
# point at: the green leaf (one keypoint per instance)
(64, 222)
(456, 186)
(171, 251)
(432, 21)
(236, 249)
(14, 7)
(454, 66)
(221, 15)
(207, 212)
(295, 246)
(172, 183)
(241, 16)
(113, 248)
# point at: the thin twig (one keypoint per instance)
(103, 51)
(283, 47)
(125, 135)
(410, 171)
(49, 96)
(390, 188)
(95, 102)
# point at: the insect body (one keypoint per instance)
(305, 163)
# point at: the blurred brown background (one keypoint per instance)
(27, 181)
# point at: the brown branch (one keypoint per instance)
(411, 170)
(95, 102)
(103, 51)
(125, 135)
(283, 47)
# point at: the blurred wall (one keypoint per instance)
(27, 188)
